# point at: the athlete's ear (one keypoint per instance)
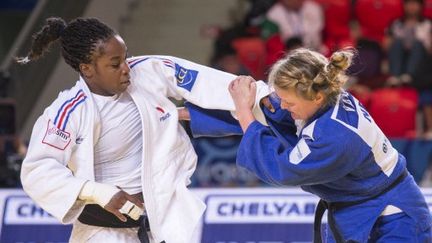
(319, 98)
(86, 70)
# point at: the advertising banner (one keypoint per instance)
(240, 215)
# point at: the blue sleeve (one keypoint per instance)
(281, 122)
(218, 123)
(212, 123)
(310, 161)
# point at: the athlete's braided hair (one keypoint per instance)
(309, 72)
(79, 39)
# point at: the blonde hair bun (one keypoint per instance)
(341, 59)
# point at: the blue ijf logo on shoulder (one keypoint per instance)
(185, 77)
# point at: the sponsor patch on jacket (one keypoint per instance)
(185, 77)
(55, 137)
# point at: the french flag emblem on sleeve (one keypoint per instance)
(67, 108)
(55, 135)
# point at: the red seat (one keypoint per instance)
(363, 96)
(337, 18)
(394, 111)
(275, 49)
(374, 16)
(427, 8)
(252, 54)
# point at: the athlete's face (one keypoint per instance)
(108, 74)
(299, 107)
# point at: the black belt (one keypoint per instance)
(95, 215)
(334, 206)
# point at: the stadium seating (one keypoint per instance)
(252, 54)
(428, 8)
(394, 110)
(337, 18)
(374, 16)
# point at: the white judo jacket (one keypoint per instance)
(60, 157)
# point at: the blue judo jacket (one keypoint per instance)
(340, 155)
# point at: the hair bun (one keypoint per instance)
(341, 59)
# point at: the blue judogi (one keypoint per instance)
(340, 155)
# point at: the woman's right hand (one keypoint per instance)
(112, 199)
(124, 203)
(243, 92)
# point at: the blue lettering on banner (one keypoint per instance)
(21, 214)
(185, 77)
(259, 218)
(266, 209)
(26, 210)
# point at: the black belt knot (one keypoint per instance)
(95, 215)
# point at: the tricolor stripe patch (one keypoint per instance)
(67, 108)
(165, 61)
(134, 62)
(168, 63)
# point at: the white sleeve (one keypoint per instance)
(201, 85)
(44, 174)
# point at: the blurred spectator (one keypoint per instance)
(12, 152)
(240, 51)
(371, 19)
(301, 19)
(257, 11)
(367, 63)
(12, 149)
(227, 60)
(275, 47)
(422, 81)
(226, 36)
(410, 38)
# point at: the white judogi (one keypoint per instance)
(60, 157)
